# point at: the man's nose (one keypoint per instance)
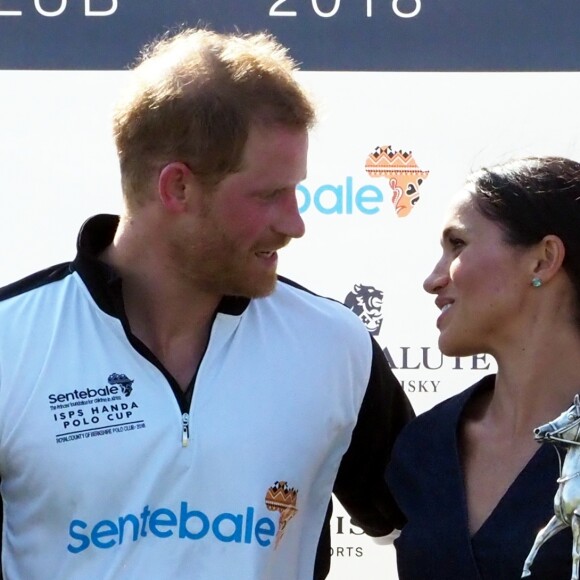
(290, 222)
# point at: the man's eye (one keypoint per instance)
(271, 194)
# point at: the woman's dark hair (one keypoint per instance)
(533, 197)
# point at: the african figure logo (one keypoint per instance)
(366, 302)
(282, 498)
(122, 381)
(402, 173)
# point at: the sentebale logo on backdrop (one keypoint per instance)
(403, 180)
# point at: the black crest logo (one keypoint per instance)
(367, 302)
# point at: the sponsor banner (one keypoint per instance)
(329, 35)
(389, 153)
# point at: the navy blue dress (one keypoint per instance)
(426, 479)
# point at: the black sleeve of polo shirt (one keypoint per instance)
(360, 484)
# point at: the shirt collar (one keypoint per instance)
(104, 283)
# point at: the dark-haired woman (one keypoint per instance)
(473, 484)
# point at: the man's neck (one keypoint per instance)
(171, 317)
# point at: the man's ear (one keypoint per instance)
(175, 185)
(550, 257)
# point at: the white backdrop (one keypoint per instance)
(58, 166)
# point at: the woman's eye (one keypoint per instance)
(456, 243)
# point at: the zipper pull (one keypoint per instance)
(185, 430)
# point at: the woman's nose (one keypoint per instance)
(438, 279)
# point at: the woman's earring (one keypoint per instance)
(536, 282)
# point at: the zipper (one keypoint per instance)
(185, 429)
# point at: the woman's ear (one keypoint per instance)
(550, 257)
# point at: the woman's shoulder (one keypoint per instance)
(445, 415)
(427, 447)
